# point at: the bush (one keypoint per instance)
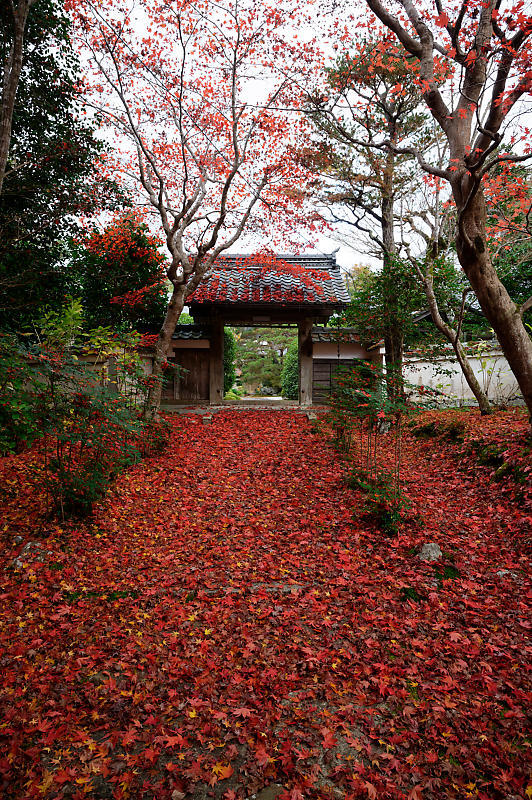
(92, 432)
(361, 409)
(89, 429)
(229, 360)
(19, 375)
(290, 373)
(78, 487)
(383, 502)
(452, 429)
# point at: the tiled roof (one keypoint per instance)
(148, 340)
(265, 279)
(334, 335)
(191, 332)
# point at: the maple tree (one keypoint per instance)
(373, 94)
(509, 196)
(446, 291)
(120, 274)
(211, 150)
(487, 47)
(426, 237)
(452, 332)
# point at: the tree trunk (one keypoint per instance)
(393, 351)
(500, 310)
(162, 349)
(452, 337)
(469, 375)
(12, 67)
(393, 337)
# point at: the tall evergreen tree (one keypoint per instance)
(365, 183)
(48, 180)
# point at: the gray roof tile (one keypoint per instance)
(273, 279)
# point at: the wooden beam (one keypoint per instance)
(304, 330)
(216, 362)
(246, 314)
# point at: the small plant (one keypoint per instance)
(409, 593)
(452, 429)
(449, 572)
(79, 486)
(362, 410)
(488, 455)
(92, 433)
(383, 502)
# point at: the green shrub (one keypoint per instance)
(488, 455)
(89, 429)
(451, 429)
(19, 379)
(382, 502)
(91, 434)
(76, 488)
(290, 373)
(362, 408)
(229, 360)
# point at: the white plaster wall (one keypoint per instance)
(347, 350)
(491, 370)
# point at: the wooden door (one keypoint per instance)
(324, 373)
(189, 383)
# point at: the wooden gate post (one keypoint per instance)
(304, 331)
(216, 362)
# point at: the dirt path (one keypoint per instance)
(229, 623)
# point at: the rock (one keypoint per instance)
(503, 573)
(18, 540)
(430, 552)
(384, 426)
(32, 551)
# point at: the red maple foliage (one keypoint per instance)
(228, 620)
